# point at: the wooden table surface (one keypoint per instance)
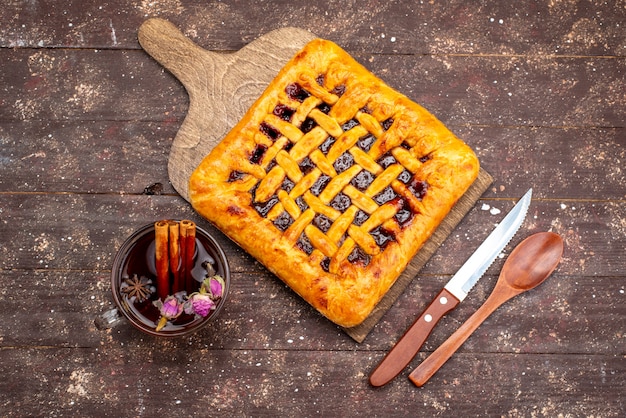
(87, 118)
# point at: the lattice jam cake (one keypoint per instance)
(333, 181)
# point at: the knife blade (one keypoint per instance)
(451, 295)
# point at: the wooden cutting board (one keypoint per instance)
(222, 87)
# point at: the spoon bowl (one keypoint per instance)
(528, 265)
(532, 261)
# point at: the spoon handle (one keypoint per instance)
(429, 367)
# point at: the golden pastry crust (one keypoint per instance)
(333, 181)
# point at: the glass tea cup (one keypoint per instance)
(134, 283)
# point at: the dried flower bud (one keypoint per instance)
(217, 286)
(171, 308)
(214, 286)
(200, 304)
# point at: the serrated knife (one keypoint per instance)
(451, 295)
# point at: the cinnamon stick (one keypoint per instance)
(174, 246)
(188, 249)
(161, 233)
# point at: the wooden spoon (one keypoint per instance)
(530, 263)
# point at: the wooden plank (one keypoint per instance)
(64, 231)
(83, 231)
(512, 91)
(56, 308)
(505, 91)
(593, 230)
(571, 314)
(568, 163)
(169, 378)
(59, 308)
(454, 27)
(130, 156)
(86, 156)
(85, 85)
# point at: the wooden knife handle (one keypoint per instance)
(429, 367)
(407, 347)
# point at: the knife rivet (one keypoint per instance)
(443, 300)
(428, 318)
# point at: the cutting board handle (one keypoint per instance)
(172, 49)
(221, 87)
